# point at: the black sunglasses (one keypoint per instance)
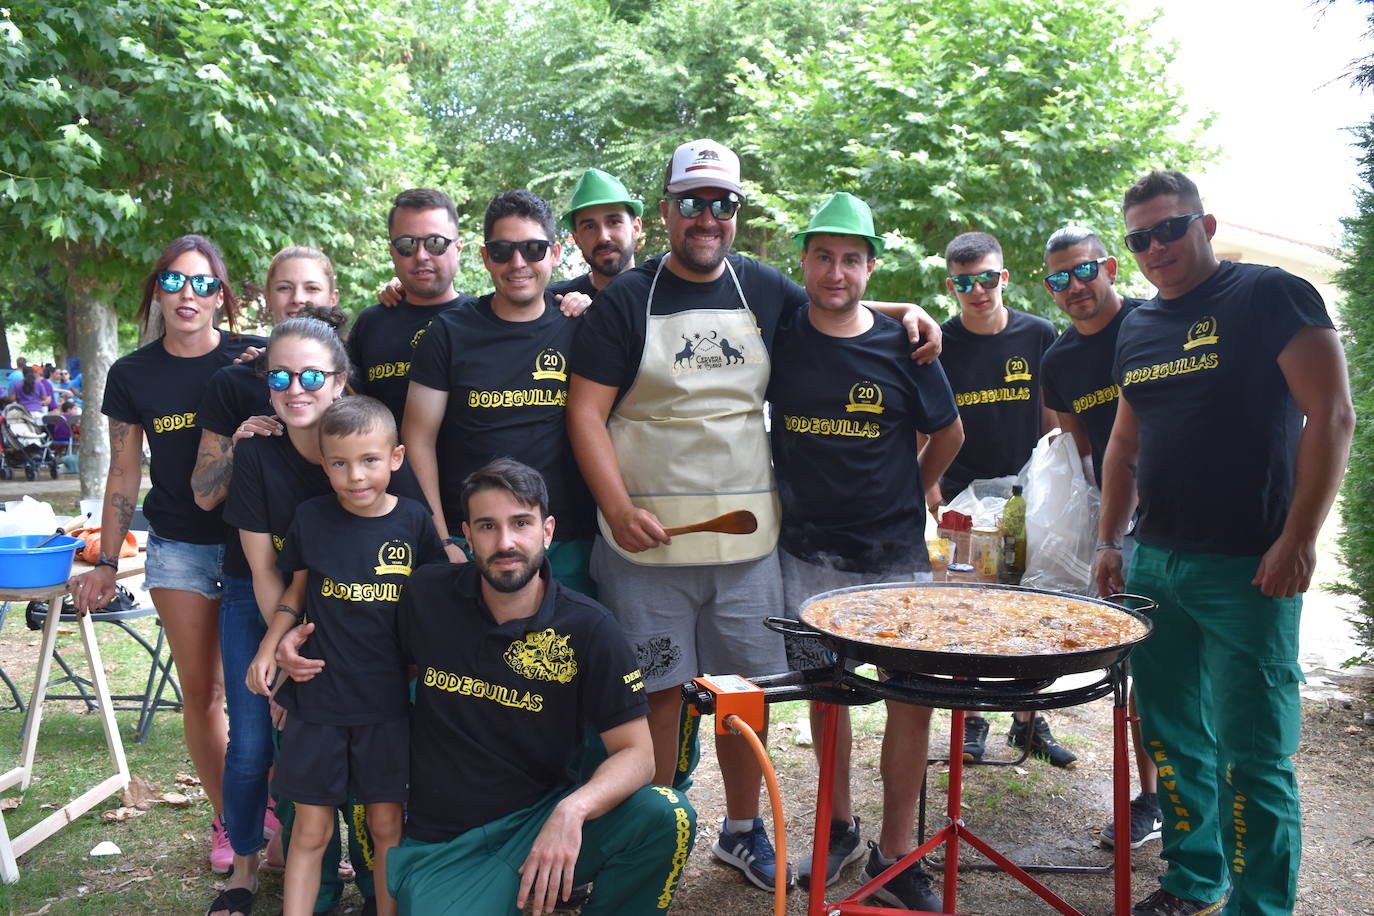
(1058, 281)
(722, 208)
(172, 281)
(532, 250)
(311, 379)
(988, 279)
(1164, 232)
(407, 245)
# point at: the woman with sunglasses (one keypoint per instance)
(298, 277)
(307, 369)
(155, 392)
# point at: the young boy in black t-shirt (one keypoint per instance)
(347, 730)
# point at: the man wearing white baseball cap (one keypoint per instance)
(665, 412)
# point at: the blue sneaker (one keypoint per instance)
(751, 853)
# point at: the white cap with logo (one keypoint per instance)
(703, 164)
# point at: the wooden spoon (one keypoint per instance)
(741, 521)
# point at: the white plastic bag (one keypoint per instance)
(982, 500)
(1061, 518)
(29, 516)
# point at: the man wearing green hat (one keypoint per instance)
(605, 222)
(847, 403)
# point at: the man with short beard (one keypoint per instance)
(665, 412)
(424, 245)
(605, 222)
(512, 669)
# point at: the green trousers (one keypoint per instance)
(1217, 691)
(633, 855)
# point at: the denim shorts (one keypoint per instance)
(183, 567)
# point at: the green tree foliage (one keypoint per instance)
(130, 122)
(1356, 538)
(1014, 117)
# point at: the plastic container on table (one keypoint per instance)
(25, 565)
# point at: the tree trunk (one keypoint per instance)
(97, 337)
(4, 340)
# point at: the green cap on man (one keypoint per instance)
(596, 187)
(843, 214)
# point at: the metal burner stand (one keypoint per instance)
(839, 687)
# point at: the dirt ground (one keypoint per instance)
(1035, 813)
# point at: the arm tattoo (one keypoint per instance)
(1131, 468)
(214, 467)
(124, 515)
(119, 440)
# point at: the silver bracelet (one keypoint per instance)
(1108, 545)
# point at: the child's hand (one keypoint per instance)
(260, 672)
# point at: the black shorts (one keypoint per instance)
(330, 764)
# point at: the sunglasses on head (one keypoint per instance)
(407, 245)
(723, 208)
(1058, 281)
(532, 250)
(172, 281)
(311, 379)
(988, 279)
(1164, 232)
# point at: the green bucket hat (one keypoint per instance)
(598, 187)
(843, 214)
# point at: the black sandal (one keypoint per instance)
(235, 900)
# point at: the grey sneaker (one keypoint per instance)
(910, 890)
(1163, 903)
(844, 848)
(1147, 822)
(975, 738)
(1042, 742)
(752, 853)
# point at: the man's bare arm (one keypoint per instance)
(589, 405)
(214, 469)
(547, 872)
(424, 415)
(1313, 364)
(918, 324)
(1118, 495)
(936, 452)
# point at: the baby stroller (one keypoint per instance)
(25, 444)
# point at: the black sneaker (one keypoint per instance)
(975, 738)
(910, 890)
(752, 853)
(1163, 903)
(1043, 744)
(1147, 822)
(844, 848)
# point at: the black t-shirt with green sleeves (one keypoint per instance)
(1078, 380)
(235, 393)
(162, 393)
(996, 382)
(381, 343)
(501, 709)
(270, 480)
(1218, 425)
(610, 339)
(845, 414)
(357, 569)
(507, 384)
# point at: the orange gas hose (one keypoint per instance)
(741, 728)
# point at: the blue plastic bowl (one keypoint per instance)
(23, 565)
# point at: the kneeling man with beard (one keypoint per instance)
(512, 668)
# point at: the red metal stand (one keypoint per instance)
(956, 831)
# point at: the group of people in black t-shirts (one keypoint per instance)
(480, 490)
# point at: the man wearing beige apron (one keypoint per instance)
(665, 412)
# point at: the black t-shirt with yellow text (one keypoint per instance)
(358, 568)
(235, 393)
(1078, 380)
(161, 393)
(507, 385)
(845, 413)
(501, 709)
(381, 343)
(996, 382)
(1218, 425)
(270, 481)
